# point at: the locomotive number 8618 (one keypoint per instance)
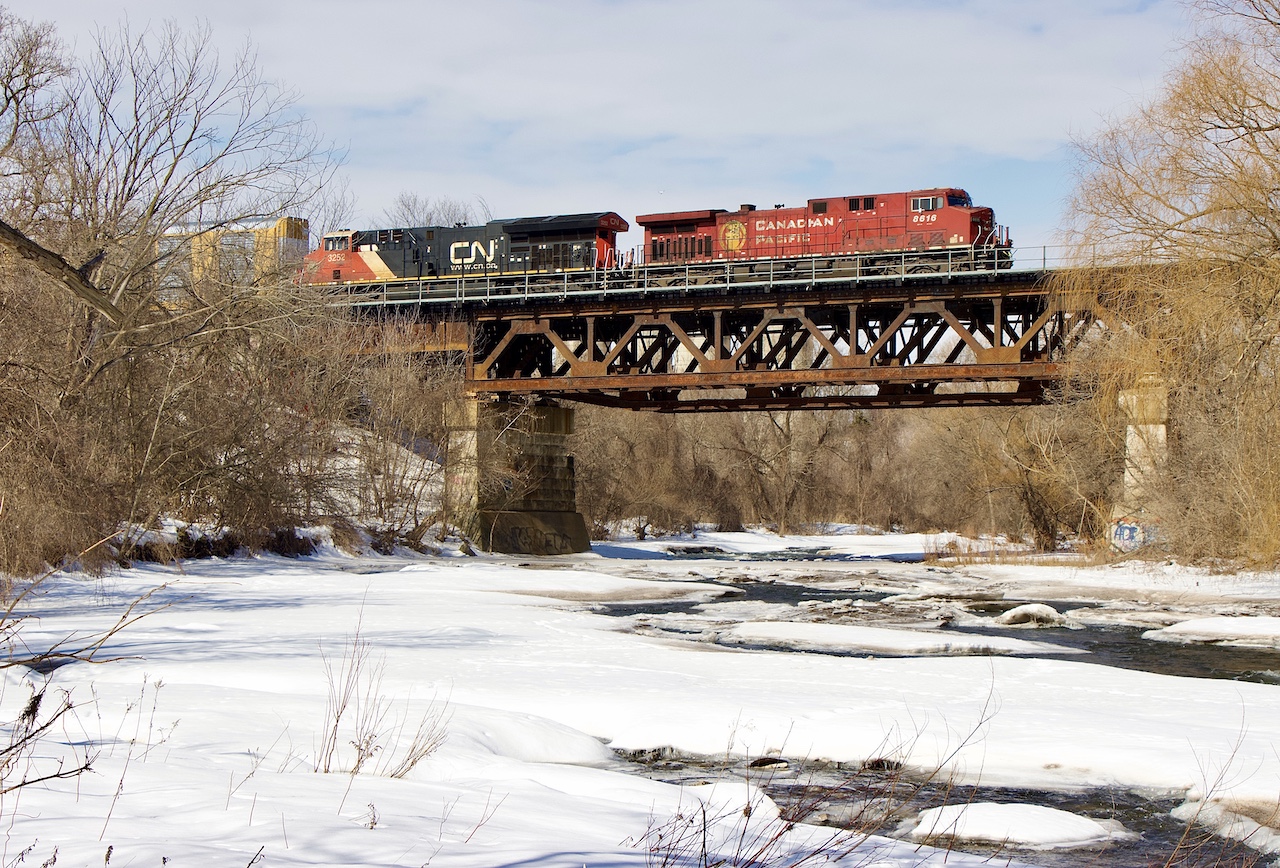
(924, 228)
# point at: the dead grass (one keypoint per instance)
(367, 731)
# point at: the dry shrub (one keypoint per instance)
(384, 740)
(1023, 473)
(201, 383)
(1193, 329)
(635, 468)
(395, 431)
(218, 428)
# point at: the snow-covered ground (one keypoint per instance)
(210, 716)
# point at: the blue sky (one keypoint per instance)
(558, 106)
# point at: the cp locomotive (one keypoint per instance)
(923, 228)
(920, 230)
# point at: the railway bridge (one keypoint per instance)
(809, 333)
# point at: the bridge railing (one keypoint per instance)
(762, 275)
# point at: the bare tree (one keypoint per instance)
(638, 471)
(333, 209)
(170, 391)
(784, 459)
(32, 61)
(162, 135)
(399, 435)
(414, 209)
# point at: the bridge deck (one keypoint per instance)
(803, 333)
(477, 292)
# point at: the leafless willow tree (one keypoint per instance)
(1194, 171)
(1182, 196)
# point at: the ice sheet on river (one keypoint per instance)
(1030, 826)
(880, 640)
(1257, 631)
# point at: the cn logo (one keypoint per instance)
(464, 253)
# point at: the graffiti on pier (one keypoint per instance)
(1132, 532)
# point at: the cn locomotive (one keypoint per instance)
(571, 242)
(921, 230)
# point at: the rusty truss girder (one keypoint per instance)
(984, 345)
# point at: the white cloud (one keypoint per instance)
(601, 104)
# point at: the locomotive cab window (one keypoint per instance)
(926, 203)
(337, 242)
(819, 207)
(960, 201)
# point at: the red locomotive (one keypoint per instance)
(925, 228)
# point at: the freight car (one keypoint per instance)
(923, 230)
(532, 244)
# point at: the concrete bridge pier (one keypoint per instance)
(1146, 408)
(509, 477)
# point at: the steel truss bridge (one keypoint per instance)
(811, 333)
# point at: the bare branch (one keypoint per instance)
(58, 268)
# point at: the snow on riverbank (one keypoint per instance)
(212, 713)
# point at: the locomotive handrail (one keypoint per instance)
(740, 275)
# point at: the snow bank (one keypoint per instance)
(1124, 616)
(1031, 826)
(1031, 615)
(1250, 631)
(522, 737)
(1232, 821)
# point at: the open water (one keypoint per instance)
(824, 792)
